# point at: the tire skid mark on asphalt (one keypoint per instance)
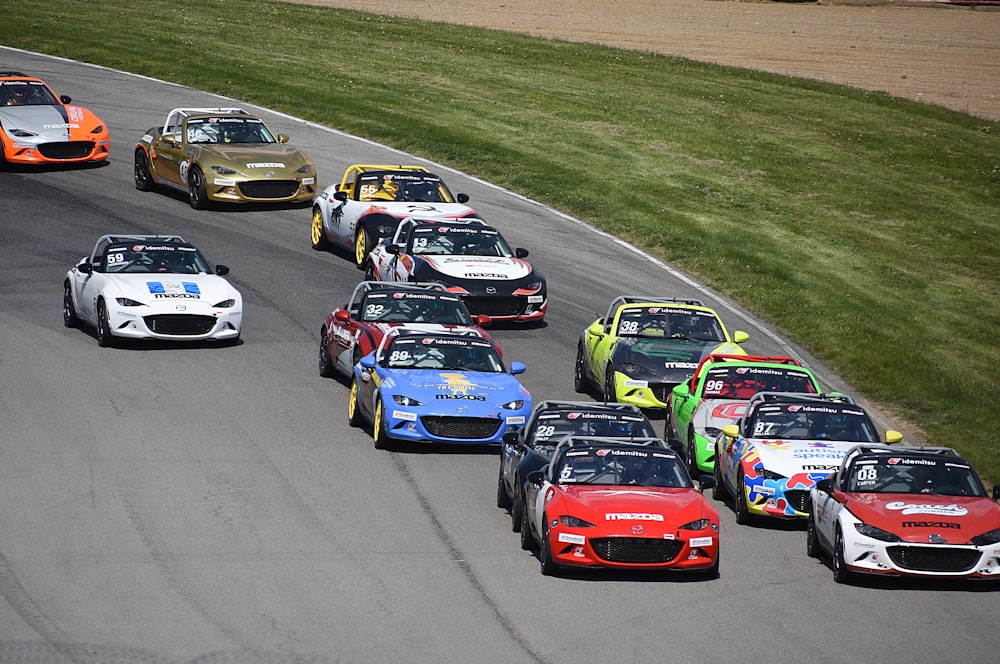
(463, 563)
(21, 601)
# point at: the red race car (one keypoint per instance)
(355, 329)
(619, 503)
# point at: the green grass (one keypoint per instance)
(862, 226)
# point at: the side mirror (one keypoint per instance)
(682, 390)
(825, 485)
(596, 328)
(536, 477)
(282, 138)
(342, 315)
(221, 270)
(892, 436)
(996, 492)
(521, 252)
(706, 482)
(482, 320)
(731, 431)
(86, 267)
(510, 438)
(368, 361)
(392, 248)
(517, 368)
(341, 196)
(739, 337)
(462, 198)
(677, 446)
(169, 139)
(65, 99)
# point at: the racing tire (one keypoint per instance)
(840, 572)
(548, 565)
(326, 368)
(70, 319)
(143, 178)
(743, 516)
(382, 441)
(692, 455)
(517, 507)
(504, 500)
(362, 247)
(354, 417)
(812, 540)
(197, 194)
(719, 490)
(580, 372)
(609, 385)
(104, 337)
(317, 234)
(528, 542)
(370, 272)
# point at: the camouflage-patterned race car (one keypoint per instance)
(223, 155)
(371, 199)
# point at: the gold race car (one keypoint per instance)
(224, 155)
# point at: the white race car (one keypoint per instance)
(151, 287)
(371, 199)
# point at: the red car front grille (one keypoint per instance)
(636, 549)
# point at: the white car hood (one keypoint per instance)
(46, 121)
(419, 210)
(479, 267)
(717, 413)
(791, 457)
(149, 288)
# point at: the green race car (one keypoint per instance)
(225, 155)
(718, 392)
(645, 346)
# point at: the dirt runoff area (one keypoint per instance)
(939, 53)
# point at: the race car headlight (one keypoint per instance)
(517, 404)
(875, 533)
(712, 432)
(700, 524)
(99, 129)
(305, 169)
(225, 304)
(769, 474)
(992, 537)
(127, 302)
(224, 170)
(534, 285)
(403, 400)
(635, 370)
(22, 133)
(574, 522)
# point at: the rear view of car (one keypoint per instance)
(39, 127)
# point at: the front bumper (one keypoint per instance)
(196, 323)
(575, 548)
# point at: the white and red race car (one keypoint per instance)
(470, 259)
(908, 511)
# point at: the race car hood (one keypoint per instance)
(621, 507)
(717, 413)
(424, 328)
(148, 288)
(491, 268)
(404, 209)
(493, 389)
(669, 360)
(274, 156)
(923, 517)
(51, 123)
(795, 457)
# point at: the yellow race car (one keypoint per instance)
(224, 155)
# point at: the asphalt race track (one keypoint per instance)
(166, 504)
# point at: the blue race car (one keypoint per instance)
(437, 388)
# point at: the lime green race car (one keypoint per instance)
(645, 346)
(718, 393)
(224, 155)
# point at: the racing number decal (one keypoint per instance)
(628, 327)
(714, 386)
(374, 310)
(545, 431)
(399, 356)
(185, 165)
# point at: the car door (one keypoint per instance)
(167, 154)
(826, 513)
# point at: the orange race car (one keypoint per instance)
(39, 127)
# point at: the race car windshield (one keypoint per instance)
(669, 323)
(439, 354)
(943, 477)
(459, 241)
(742, 382)
(25, 93)
(550, 428)
(155, 259)
(402, 187)
(418, 308)
(621, 467)
(799, 422)
(223, 130)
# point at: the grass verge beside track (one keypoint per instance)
(862, 226)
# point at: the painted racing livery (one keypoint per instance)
(368, 203)
(607, 503)
(151, 287)
(717, 394)
(39, 127)
(470, 259)
(905, 511)
(438, 388)
(773, 456)
(645, 346)
(222, 155)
